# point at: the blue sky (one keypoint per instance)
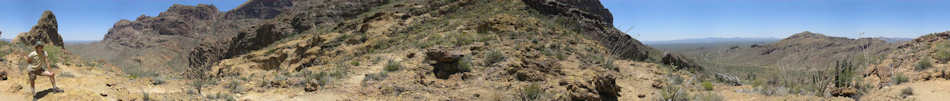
(87, 19)
(656, 20)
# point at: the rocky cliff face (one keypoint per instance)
(45, 30)
(597, 23)
(261, 9)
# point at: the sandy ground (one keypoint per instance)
(934, 90)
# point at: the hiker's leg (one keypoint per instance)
(52, 77)
(32, 83)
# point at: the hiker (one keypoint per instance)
(39, 65)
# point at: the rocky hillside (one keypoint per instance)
(468, 49)
(917, 65)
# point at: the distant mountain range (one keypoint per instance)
(747, 40)
(714, 40)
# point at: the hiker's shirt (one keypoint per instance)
(38, 62)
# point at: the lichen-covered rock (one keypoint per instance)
(45, 30)
(446, 63)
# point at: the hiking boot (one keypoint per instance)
(57, 89)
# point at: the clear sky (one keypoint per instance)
(87, 19)
(656, 20)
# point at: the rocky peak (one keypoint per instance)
(585, 8)
(200, 11)
(262, 9)
(806, 34)
(45, 31)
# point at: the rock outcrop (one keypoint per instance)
(597, 23)
(45, 30)
(680, 62)
(261, 9)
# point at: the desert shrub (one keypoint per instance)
(464, 39)
(707, 86)
(531, 92)
(899, 78)
(708, 97)
(355, 63)
(943, 51)
(844, 73)
(907, 91)
(234, 86)
(55, 54)
(674, 79)
(608, 63)
(326, 77)
(495, 57)
(923, 64)
(375, 76)
(672, 93)
(221, 96)
(392, 66)
(464, 64)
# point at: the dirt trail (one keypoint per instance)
(934, 90)
(82, 83)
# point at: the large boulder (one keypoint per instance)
(728, 79)
(601, 88)
(446, 63)
(680, 62)
(45, 31)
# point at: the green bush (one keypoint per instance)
(609, 63)
(707, 86)
(943, 51)
(392, 66)
(899, 78)
(844, 73)
(495, 57)
(355, 63)
(923, 64)
(942, 55)
(531, 92)
(907, 91)
(672, 93)
(55, 54)
(708, 97)
(465, 64)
